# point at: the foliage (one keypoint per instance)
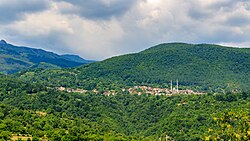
(203, 67)
(72, 116)
(231, 125)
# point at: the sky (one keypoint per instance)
(99, 29)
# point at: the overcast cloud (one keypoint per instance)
(98, 29)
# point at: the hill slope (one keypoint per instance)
(204, 66)
(14, 58)
(31, 109)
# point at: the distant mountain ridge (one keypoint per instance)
(15, 58)
(76, 58)
(3, 42)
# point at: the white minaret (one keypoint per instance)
(171, 86)
(177, 85)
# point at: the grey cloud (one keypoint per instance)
(238, 20)
(248, 6)
(138, 27)
(12, 10)
(223, 35)
(224, 4)
(97, 9)
(198, 14)
(197, 11)
(50, 42)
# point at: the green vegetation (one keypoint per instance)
(233, 125)
(33, 109)
(43, 65)
(210, 68)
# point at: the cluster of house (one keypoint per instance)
(138, 90)
(70, 90)
(158, 91)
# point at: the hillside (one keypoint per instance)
(204, 67)
(35, 111)
(15, 58)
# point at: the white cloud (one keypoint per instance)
(65, 27)
(95, 38)
(41, 24)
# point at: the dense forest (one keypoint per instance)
(33, 110)
(204, 67)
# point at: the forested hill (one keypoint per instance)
(15, 58)
(31, 110)
(204, 66)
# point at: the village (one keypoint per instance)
(139, 90)
(159, 91)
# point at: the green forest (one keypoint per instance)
(204, 67)
(31, 109)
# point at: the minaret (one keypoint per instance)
(177, 85)
(171, 86)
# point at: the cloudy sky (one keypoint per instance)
(98, 29)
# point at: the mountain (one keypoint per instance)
(202, 66)
(16, 58)
(76, 58)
